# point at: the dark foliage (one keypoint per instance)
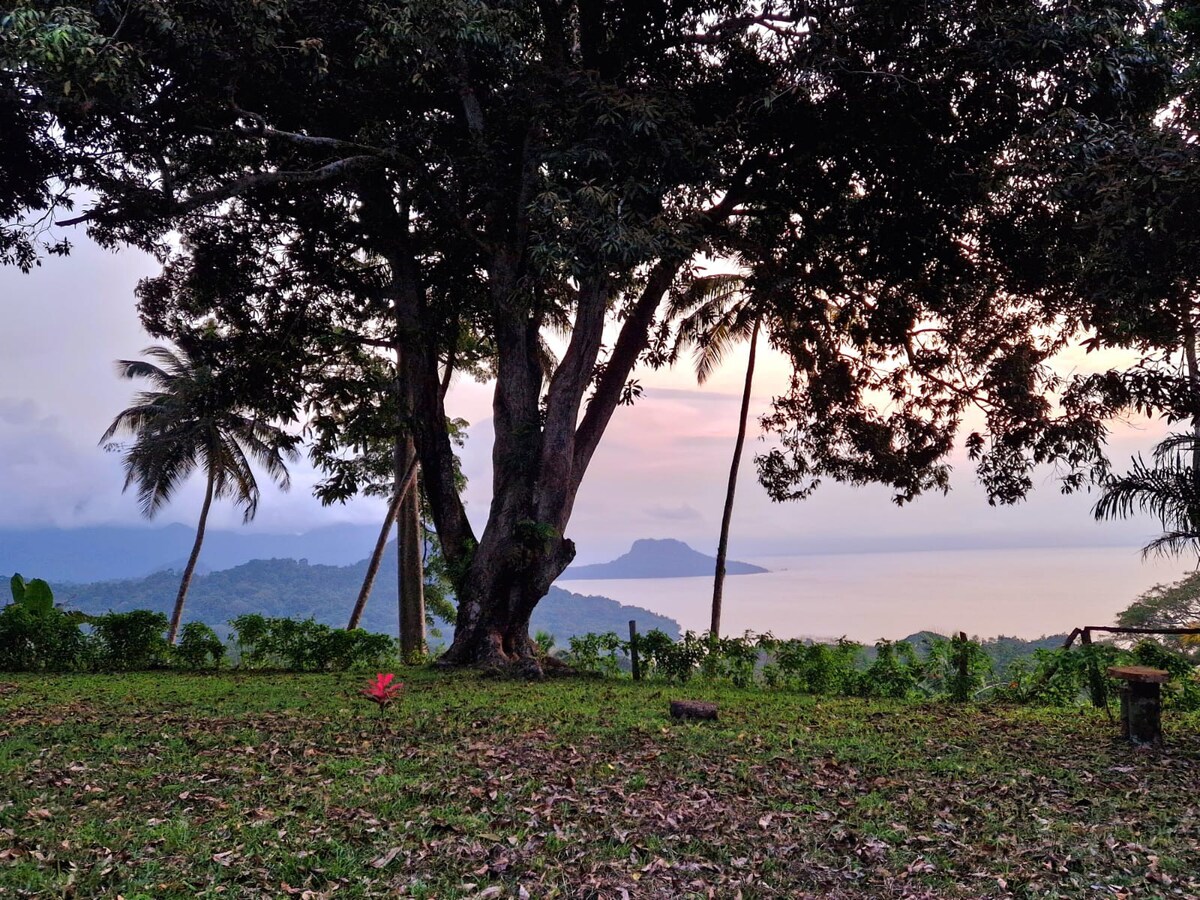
(448, 180)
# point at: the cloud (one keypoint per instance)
(683, 513)
(17, 413)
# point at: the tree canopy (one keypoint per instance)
(451, 180)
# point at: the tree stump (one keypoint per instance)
(693, 709)
(1141, 703)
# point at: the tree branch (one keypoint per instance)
(263, 130)
(329, 172)
(556, 486)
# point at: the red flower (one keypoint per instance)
(381, 690)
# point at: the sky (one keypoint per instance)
(660, 471)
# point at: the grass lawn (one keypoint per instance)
(164, 786)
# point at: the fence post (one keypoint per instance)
(1097, 683)
(633, 651)
(964, 673)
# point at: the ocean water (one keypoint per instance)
(866, 596)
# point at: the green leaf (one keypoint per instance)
(39, 599)
(18, 588)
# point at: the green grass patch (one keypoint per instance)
(168, 785)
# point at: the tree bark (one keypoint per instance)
(410, 567)
(380, 545)
(714, 628)
(186, 581)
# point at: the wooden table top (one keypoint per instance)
(1143, 674)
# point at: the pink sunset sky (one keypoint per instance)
(660, 471)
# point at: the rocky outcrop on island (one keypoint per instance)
(665, 558)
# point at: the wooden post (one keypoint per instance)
(1097, 685)
(964, 674)
(1141, 703)
(633, 651)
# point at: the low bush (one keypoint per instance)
(305, 645)
(130, 641)
(894, 674)
(603, 654)
(199, 647)
(816, 668)
(960, 668)
(35, 635)
(957, 669)
(49, 641)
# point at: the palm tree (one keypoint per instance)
(1167, 488)
(717, 314)
(183, 423)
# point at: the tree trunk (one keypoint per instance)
(380, 545)
(714, 628)
(410, 580)
(497, 598)
(544, 434)
(186, 581)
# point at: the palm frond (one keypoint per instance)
(1172, 543)
(1166, 489)
(182, 425)
(547, 359)
(719, 289)
(711, 332)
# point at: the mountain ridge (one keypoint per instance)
(300, 589)
(110, 552)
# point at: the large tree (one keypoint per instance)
(187, 421)
(503, 168)
(1128, 269)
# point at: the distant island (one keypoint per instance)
(297, 589)
(665, 558)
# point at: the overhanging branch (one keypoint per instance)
(330, 172)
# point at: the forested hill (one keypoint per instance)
(105, 552)
(288, 587)
(665, 558)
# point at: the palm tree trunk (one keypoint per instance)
(410, 580)
(714, 629)
(186, 582)
(380, 545)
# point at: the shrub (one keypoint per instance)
(249, 639)
(199, 647)
(734, 659)
(1183, 690)
(676, 660)
(358, 649)
(306, 645)
(819, 668)
(34, 634)
(958, 668)
(894, 673)
(598, 652)
(48, 641)
(545, 642)
(130, 641)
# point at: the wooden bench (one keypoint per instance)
(1141, 702)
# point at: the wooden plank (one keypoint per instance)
(1140, 674)
(1114, 630)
